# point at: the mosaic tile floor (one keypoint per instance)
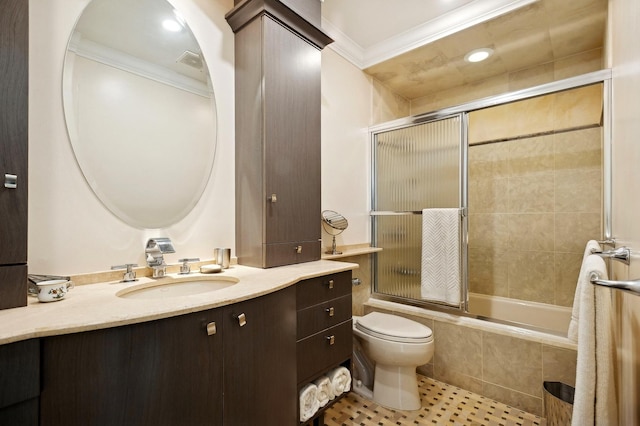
(441, 404)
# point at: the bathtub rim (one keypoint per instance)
(505, 328)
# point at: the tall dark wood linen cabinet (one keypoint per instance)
(14, 80)
(277, 94)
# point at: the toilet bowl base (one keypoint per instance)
(396, 387)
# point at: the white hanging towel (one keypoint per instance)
(595, 396)
(572, 333)
(441, 256)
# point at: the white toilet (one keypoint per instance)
(397, 346)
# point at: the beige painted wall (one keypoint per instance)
(623, 36)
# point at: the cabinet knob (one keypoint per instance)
(330, 311)
(10, 181)
(298, 249)
(330, 284)
(242, 319)
(273, 198)
(331, 339)
(211, 328)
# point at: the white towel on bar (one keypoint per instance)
(325, 390)
(572, 333)
(308, 402)
(440, 278)
(595, 396)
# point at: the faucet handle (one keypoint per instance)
(186, 268)
(130, 274)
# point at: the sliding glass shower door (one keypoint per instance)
(416, 167)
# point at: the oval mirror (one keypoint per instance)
(140, 110)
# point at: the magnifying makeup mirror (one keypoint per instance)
(334, 224)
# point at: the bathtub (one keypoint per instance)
(538, 316)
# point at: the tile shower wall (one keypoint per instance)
(534, 202)
(501, 367)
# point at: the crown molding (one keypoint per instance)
(457, 20)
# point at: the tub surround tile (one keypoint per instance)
(458, 349)
(580, 149)
(574, 230)
(531, 276)
(559, 365)
(531, 231)
(531, 155)
(499, 368)
(566, 277)
(578, 190)
(531, 193)
(489, 231)
(489, 195)
(488, 274)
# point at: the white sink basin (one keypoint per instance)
(169, 287)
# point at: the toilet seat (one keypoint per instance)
(394, 328)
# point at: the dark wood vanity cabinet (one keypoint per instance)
(178, 371)
(14, 74)
(324, 337)
(278, 100)
(20, 383)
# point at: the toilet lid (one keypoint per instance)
(394, 328)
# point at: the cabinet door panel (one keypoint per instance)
(13, 286)
(163, 372)
(260, 361)
(318, 352)
(292, 135)
(14, 67)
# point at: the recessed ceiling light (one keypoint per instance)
(478, 55)
(171, 25)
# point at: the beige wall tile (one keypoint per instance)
(566, 270)
(512, 363)
(531, 231)
(489, 231)
(488, 195)
(531, 276)
(488, 161)
(531, 193)
(457, 350)
(578, 107)
(528, 403)
(579, 149)
(488, 272)
(579, 64)
(531, 155)
(578, 190)
(559, 365)
(574, 230)
(387, 105)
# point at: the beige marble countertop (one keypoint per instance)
(96, 306)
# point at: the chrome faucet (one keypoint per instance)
(186, 268)
(129, 275)
(154, 252)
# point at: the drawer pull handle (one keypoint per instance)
(330, 311)
(330, 284)
(273, 198)
(211, 329)
(10, 181)
(242, 319)
(331, 339)
(298, 249)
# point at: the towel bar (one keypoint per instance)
(632, 286)
(622, 254)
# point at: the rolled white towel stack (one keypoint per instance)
(340, 380)
(309, 403)
(325, 390)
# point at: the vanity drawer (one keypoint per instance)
(316, 318)
(320, 289)
(322, 350)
